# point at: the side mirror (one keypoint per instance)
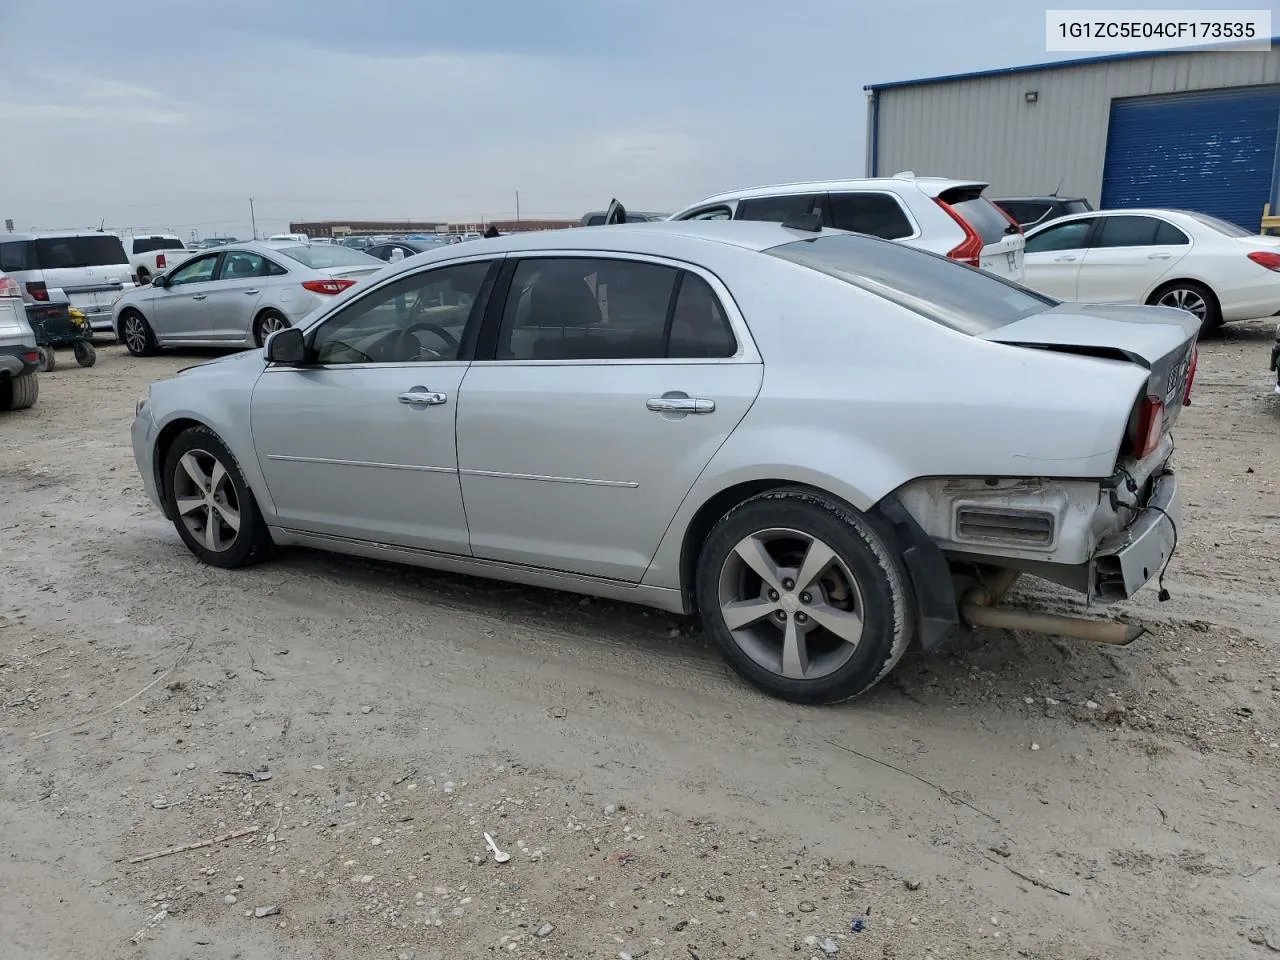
(287, 347)
(159, 280)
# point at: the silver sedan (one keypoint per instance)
(826, 445)
(237, 295)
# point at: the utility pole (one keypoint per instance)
(252, 219)
(517, 208)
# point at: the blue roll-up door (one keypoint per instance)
(1213, 152)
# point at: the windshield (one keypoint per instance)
(327, 255)
(952, 294)
(1222, 226)
(152, 244)
(93, 250)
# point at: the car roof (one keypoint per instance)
(931, 186)
(1043, 199)
(56, 234)
(678, 239)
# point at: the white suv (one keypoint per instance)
(950, 217)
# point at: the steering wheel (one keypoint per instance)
(402, 345)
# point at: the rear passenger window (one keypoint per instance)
(586, 309)
(1169, 235)
(17, 255)
(778, 209)
(699, 328)
(877, 214)
(1127, 231)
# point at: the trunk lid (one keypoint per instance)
(1160, 339)
(349, 273)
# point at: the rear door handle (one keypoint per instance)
(1064, 259)
(1159, 256)
(199, 296)
(680, 405)
(251, 293)
(422, 397)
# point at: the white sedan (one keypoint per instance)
(1173, 258)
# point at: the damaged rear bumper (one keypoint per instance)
(1126, 561)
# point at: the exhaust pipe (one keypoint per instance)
(977, 611)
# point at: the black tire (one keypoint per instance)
(48, 359)
(861, 549)
(251, 541)
(86, 353)
(136, 334)
(260, 323)
(19, 393)
(1171, 294)
(144, 276)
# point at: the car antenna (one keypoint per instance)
(809, 222)
(1058, 187)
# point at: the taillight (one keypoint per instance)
(1191, 375)
(1150, 426)
(160, 261)
(38, 291)
(1265, 258)
(327, 287)
(9, 287)
(970, 249)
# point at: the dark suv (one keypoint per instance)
(1033, 211)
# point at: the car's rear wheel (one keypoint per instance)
(86, 353)
(268, 322)
(209, 499)
(19, 393)
(48, 359)
(1195, 298)
(138, 337)
(804, 596)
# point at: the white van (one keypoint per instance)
(90, 267)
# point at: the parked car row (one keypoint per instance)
(828, 446)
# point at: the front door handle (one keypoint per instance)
(422, 397)
(1064, 259)
(1159, 256)
(251, 293)
(680, 405)
(199, 296)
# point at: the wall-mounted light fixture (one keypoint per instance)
(1031, 96)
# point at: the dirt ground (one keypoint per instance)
(1011, 796)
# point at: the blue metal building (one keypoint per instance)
(1195, 130)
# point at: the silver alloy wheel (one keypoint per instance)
(1184, 299)
(135, 333)
(206, 500)
(270, 324)
(791, 604)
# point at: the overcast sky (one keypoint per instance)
(171, 113)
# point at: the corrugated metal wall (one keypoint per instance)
(984, 128)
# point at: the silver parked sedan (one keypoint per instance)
(236, 295)
(827, 445)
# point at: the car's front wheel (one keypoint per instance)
(804, 596)
(19, 393)
(138, 337)
(267, 323)
(209, 499)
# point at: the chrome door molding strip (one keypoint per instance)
(362, 463)
(500, 475)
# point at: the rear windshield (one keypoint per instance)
(152, 244)
(1077, 206)
(952, 294)
(1222, 226)
(325, 255)
(985, 218)
(62, 253)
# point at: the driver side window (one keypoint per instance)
(418, 319)
(197, 271)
